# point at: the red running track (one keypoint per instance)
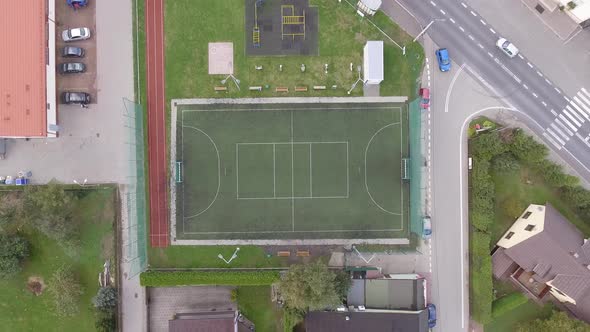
(156, 112)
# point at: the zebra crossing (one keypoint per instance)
(567, 124)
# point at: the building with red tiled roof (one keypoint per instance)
(28, 102)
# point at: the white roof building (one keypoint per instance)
(373, 62)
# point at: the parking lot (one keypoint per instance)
(67, 18)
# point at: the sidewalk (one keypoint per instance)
(401, 17)
(556, 20)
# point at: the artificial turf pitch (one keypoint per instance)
(291, 171)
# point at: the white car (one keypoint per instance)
(75, 34)
(507, 47)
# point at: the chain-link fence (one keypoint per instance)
(416, 167)
(134, 193)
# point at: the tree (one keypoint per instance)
(555, 176)
(105, 321)
(13, 250)
(505, 163)
(105, 299)
(311, 287)
(559, 321)
(525, 148)
(487, 146)
(577, 195)
(66, 291)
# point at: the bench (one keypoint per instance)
(255, 88)
(220, 88)
(303, 253)
(284, 253)
(300, 89)
(319, 87)
(282, 89)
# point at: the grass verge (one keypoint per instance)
(255, 304)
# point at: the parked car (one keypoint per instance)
(507, 47)
(72, 52)
(72, 68)
(425, 98)
(443, 58)
(427, 232)
(77, 3)
(75, 34)
(431, 315)
(81, 98)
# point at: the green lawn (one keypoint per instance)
(191, 24)
(255, 304)
(206, 256)
(20, 310)
(521, 315)
(514, 194)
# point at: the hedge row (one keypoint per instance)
(481, 277)
(507, 303)
(187, 278)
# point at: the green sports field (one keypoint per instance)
(291, 171)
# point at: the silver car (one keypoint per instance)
(507, 47)
(75, 34)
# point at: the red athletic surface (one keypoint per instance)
(156, 112)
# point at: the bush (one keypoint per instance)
(559, 321)
(555, 176)
(66, 291)
(105, 321)
(292, 317)
(187, 278)
(481, 278)
(487, 146)
(13, 250)
(526, 149)
(508, 303)
(505, 163)
(577, 195)
(105, 299)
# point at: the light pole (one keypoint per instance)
(428, 26)
(81, 184)
(233, 256)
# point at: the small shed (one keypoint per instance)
(373, 62)
(368, 7)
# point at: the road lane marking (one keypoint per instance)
(583, 139)
(567, 130)
(584, 98)
(493, 31)
(432, 3)
(566, 98)
(443, 12)
(525, 86)
(509, 72)
(457, 73)
(480, 46)
(586, 92)
(553, 112)
(556, 136)
(583, 112)
(548, 82)
(566, 137)
(471, 37)
(568, 123)
(535, 95)
(572, 118)
(520, 56)
(461, 28)
(490, 54)
(528, 63)
(482, 22)
(556, 89)
(574, 113)
(451, 19)
(539, 73)
(472, 13)
(552, 141)
(464, 5)
(544, 103)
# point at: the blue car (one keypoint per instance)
(431, 315)
(77, 3)
(444, 61)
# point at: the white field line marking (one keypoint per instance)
(566, 137)
(552, 141)
(443, 12)
(289, 197)
(274, 171)
(464, 5)
(567, 130)
(461, 28)
(583, 139)
(471, 37)
(530, 65)
(575, 129)
(292, 177)
(556, 136)
(451, 19)
(553, 112)
(520, 56)
(572, 118)
(574, 113)
(544, 103)
(310, 173)
(493, 31)
(483, 22)
(432, 3)
(473, 13)
(557, 90)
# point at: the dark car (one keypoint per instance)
(82, 98)
(72, 52)
(431, 315)
(444, 60)
(72, 68)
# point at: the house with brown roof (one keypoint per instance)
(545, 255)
(28, 101)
